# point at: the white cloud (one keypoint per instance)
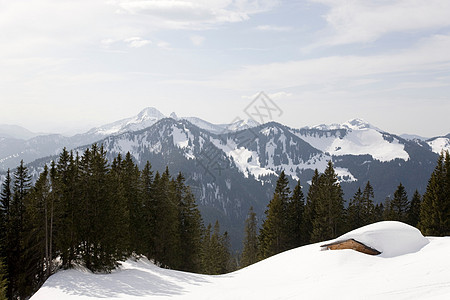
(273, 28)
(366, 21)
(136, 42)
(197, 40)
(194, 14)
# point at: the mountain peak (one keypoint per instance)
(174, 116)
(358, 124)
(352, 124)
(150, 113)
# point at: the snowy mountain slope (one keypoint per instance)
(13, 147)
(354, 137)
(439, 143)
(418, 270)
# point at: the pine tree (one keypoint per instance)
(274, 235)
(3, 281)
(435, 208)
(295, 218)
(399, 205)
(149, 213)
(354, 211)
(38, 242)
(67, 191)
(368, 211)
(5, 200)
(250, 249)
(216, 257)
(414, 209)
(190, 227)
(166, 220)
(130, 179)
(311, 204)
(16, 234)
(6, 195)
(328, 221)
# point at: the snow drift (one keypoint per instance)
(410, 267)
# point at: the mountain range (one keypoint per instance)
(231, 167)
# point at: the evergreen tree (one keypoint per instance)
(67, 191)
(311, 204)
(274, 235)
(295, 218)
(399, 205)
(328, 222)
(17, 285)
(5, 195)
(354, 211)
(414, 209)
(435, 208)
(250, 249)
(5, 200)
(273, 239)
(166, 220)
(100, 205)
(149, 213)
(130, 180)
(3, 281)
(38, 242)
(368, 207)
(216, 257)
(378, 212)
(190, 227)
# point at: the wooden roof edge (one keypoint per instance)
(342, 241)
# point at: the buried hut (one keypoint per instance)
(350, 244)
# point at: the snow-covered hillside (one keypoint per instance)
(439, 144)
(412, 267)
(354, 137)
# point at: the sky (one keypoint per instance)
(67, 66)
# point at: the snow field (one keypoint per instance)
(410, 267)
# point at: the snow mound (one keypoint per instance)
(391, 238)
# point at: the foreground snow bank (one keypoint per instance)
(391, 238)
(417, 268)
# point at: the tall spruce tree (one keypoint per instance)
(190, 227)
(295, 218)
(354, 211)
(311, 204)
(328, 220)
(67, 191)
(17, 286)
(3, 280)
(149, 212)
(414, 209)
(274, 234)
(38, 238)
(435, 208)
(368, 213)
(250, 249)
(399, 205)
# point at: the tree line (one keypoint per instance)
(83, 210)
(291, 220)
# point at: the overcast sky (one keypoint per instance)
(66, 66)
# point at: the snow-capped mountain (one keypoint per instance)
(355, 137)
(438, 144)
(17, 143)
(232, 171)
